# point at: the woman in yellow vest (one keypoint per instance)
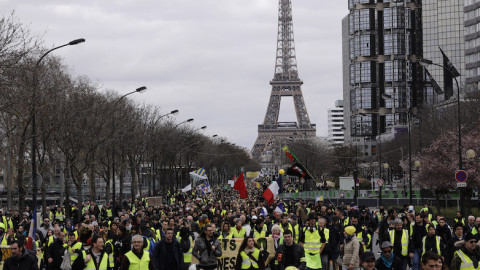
(249, 256)
(226, 232)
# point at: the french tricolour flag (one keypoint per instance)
(271, 193)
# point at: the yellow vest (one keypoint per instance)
(404, 241)
(467, 263)
(91, 265)
(187, 256)
(238, 234)
(296, 228)
(59, 216)
(260, 234)
(109, 213)
(437, 244)
(461, 221)
(74, 254)
(4, 240)
(312, 243)
(111, 260)
(229, 236)
(247, 262)
(136, 263)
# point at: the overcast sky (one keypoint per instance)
(210, 59)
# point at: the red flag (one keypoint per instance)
(240, 186)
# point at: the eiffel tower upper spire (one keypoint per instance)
(286, 61)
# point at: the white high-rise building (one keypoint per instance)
(336, 128)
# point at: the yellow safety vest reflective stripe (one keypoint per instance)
(136, 263)
(404, 241)
(467, 263)
(296, 228)
(111, 260)
(312, 243)
(247, 262)
(91, 265)
(59, 215)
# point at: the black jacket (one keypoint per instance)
(161, 254)
(396, 265)
(299, 253)
(24, 262)
(55, 251)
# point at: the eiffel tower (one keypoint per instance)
(285, 83)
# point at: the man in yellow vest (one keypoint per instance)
(399, 238)
(467, 257)
(238, 231)
(313, 242)
(259, 230)
(94, 258)
(326, 249)
(137, 258)
(432, 242)
(186, 241)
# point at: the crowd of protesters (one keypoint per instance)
(189, 227)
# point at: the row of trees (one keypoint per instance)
(86, 133)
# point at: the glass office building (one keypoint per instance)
(385, 37)
(472, 44)
(443, 30)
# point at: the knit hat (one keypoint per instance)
(366, 256)
(470, 236)
(350, 230)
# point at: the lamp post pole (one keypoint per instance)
(425, 63)
(34, 125)
(114, 186)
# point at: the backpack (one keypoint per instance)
(185, 244)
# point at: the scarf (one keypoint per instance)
(387, 262)
(348, 238)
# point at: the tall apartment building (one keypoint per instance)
(384, 39)
(444, 30)
(472, 44)
(335, 124)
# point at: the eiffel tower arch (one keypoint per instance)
(285, 83)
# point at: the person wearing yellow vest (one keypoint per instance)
(186, 241)
(296, 228)
(459, 218)
(285, 225)
(7, 220)
(94, 258)
(59, 215)
(313, 242)
(226, 232)
(238, 231)
(432, 242)
(249, 256)
(55, 252)
(137, 258)
(3, 235)
(466, 258)
(259, 230)
(74, 247)
(399, 238)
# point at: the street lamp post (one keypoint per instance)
(186, 121)
(410, 193)
(138, 90)
(425, 63)
(34, 127)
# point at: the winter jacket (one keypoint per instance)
(161, 254)
(396, 265)
(205, 258)
(24, 262)
(350, 253)
(298, 252)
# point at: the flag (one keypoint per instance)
(271, 193)
(299, 170)
(449, 65)
(263, 212)
(448, 75)
(240, 186)
(187, 188)
(280, 208)
(31, 232)
(289, 154)
(435, 85)
(197, 176)
(204, 188)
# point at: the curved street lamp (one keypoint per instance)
(140, 89)
(204, 127)
(186, 121)
(34, 126)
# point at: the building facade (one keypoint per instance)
(384, 41)
(336, 125)
(472, 44)
(443, 30)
